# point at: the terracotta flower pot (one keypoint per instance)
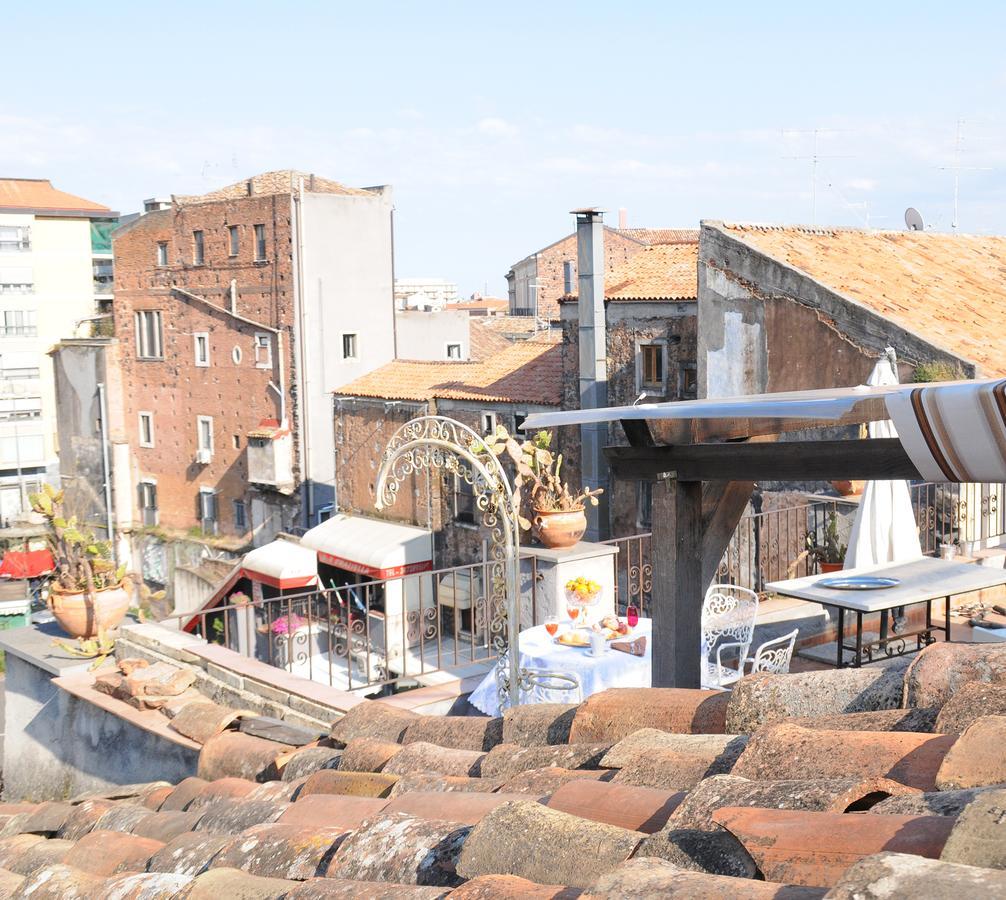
(830, 567)
(81, 615)
(559, 530)
(849, 488)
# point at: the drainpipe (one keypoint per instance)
(106, 467)
(593, 362)
(303, 375)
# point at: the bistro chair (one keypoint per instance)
(774, 656)
(728, 611)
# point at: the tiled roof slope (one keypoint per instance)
(39, 194)
(661, 235)
(660, 272)
(395, 804)
(485, 342)
(284, 181)
(948, 288)
(524, 372)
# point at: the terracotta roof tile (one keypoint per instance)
(484, 341)
(284, 181)
(654, 236)
(659, 272)
(949, 289)
(38, 194)
(526, 372)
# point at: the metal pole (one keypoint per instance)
(20, 474)
(106, 467)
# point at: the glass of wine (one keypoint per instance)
(573, 611)
(552, 625)
(632, 615)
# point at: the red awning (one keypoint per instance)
(26, 564)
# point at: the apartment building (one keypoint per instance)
(55, 269)
(237, 313)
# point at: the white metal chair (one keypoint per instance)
(774, 655)
(728, 611)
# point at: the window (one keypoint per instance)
(17, 280)
(233, 240)
(162, 253)
(237, 356)
(198, 248)
(146, 429)
(349, 347)
(148, 334)
(488, 420)
(204, 438)
(263, 350)
(644, 505)
(240, 516)
(688, 382)
(652, 366)
(260, 243)
(518, 422)
(454, 351)
(18, 323)
(208, 510)
(15, 237)
(148, 502)
(237, 441)
(464, 501)
(17, 373)
(202, 346)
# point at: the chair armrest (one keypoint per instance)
(741, 645)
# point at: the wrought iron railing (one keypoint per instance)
(633, 573)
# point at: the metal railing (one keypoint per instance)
(966, 514)
(369, 634)
(633, 573)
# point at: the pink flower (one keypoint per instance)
(287, 624)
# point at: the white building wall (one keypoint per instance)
(426, 335)
(347, 287)
(60, 265)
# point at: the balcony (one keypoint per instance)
(104, 286)
(17, 287)
(21, 245)
(27, 331)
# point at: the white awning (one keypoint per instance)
(371, 547)
(282, 564)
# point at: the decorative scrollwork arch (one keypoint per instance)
(437, 442)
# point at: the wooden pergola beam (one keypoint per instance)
(869, 460)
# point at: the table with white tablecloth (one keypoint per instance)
(539, 651)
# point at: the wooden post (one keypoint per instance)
(678, 586)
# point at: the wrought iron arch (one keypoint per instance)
(438, 442)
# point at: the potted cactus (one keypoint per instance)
(88, 594)
(830, 551)
(558, 513)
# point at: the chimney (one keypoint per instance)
(250, 186)
(593, 361)
(623, 217)
(567, 277)
(310, 182)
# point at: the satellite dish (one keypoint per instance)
(913, 219)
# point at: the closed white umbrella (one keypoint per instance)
(885, 530)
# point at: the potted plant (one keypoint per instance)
(830, 551)
(88, 595)
(558, 519)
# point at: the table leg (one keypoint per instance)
(883, 625)
(841, 636)
(858, 661)
(946, 635)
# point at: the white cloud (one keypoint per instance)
(496, 127)
(862, 184)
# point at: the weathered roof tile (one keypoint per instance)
(279, 850)
(544, 845)
(979, 835)
(635, 808)
(432, 782)
(336, 810)
(234, 816)
(231, 753)
(905, 875)
(610, 715)
(976, 758)
(188, 854)
(508, 760)
(942, 668)
(373, 719)
(402, 848)
(535, 724)
(468, 808)
(353, 784)
(424, 757)
(367, 754)
(969, 703)
(109, 853)
(459, 732)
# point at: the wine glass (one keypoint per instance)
(632, 615)
(573, 610)
(552, 625)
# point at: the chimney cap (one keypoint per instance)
(588, 211)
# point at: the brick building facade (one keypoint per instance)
(226, 380)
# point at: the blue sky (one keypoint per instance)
(493, 121)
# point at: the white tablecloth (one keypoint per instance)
(539, 651)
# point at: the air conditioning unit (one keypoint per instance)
(204, 457)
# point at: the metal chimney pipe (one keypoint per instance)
(593, 362)
(623, 217)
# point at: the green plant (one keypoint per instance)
(98, 648)
(937, 371)
(830, 549)
(83, 562)
(538, 468)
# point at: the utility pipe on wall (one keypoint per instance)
(106, 467)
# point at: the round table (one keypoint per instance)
(539, 651)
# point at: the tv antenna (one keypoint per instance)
(814, 158)
(957, 168)
(913, 219)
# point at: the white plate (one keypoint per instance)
(858, 583)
